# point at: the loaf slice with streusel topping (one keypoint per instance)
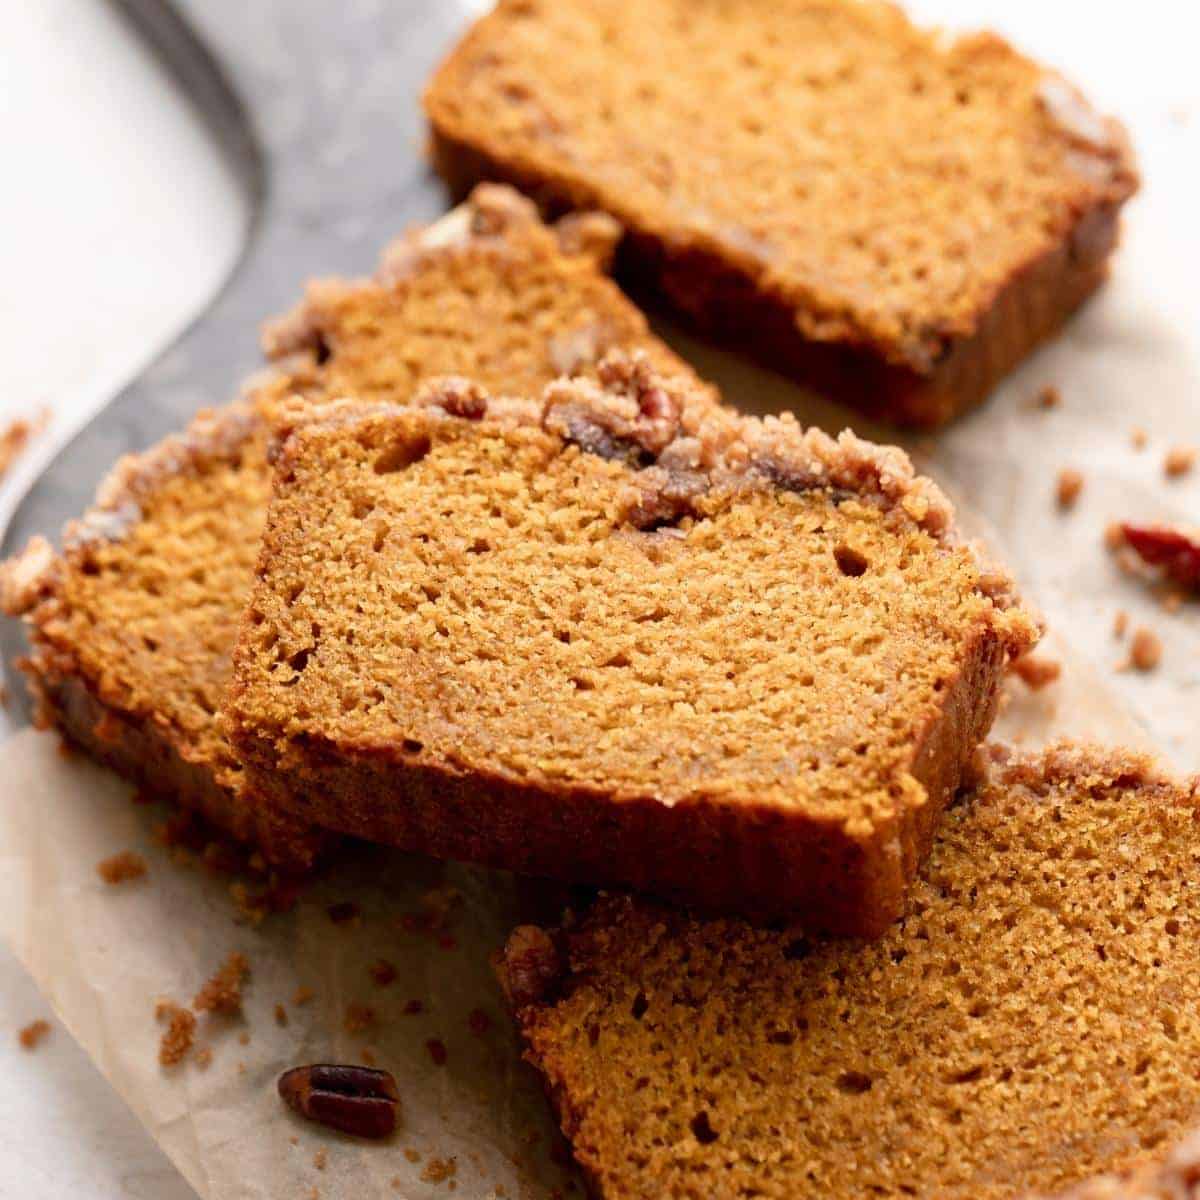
(132, 624)
(620, 636)
(1029, 1026)
(894, 215)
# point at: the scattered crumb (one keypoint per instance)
(397, 1183)
(1120, 623)
(413, 1007)
(1172, 601)
(359, 1018)
(1049, 397)
(437, 1051)
(244, 1038)
(179, 1035)
(413, 1156)
(203, 1057)
(34, 1034)
(1037, 672)
(15, 437)
(383, 972)
(1070, 484)
(320, 1159)
(223, 992)
(294, 1140)
(1179, 461)
(1138, 439)
(314, 1193)
(281, 1017)
(120, 868)
(241, 1068)
(438, 1170)
(1145, 651)
(303, 996)
(367, 1055)
(5, 696)
(344, 913)
(478, 1022)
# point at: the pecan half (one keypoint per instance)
(1177, 552)
(356, 1100)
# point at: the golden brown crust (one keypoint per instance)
(916, 370)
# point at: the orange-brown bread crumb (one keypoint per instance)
(895, 215)
(1029, 1024)
(133, 623)
(619, 636)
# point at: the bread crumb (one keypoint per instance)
(1179, 461)
(120, 868)
(244, 1038)
(281, 1017)
(1070, 484)
(203, 1057)
(439, 1170)
(478, 1022)
(437, 1051)
(367, 1055)
(1138, 439)
(34, 1034)
(179, 1035)
(1120, 623)
(359, 1018)
(320, 1159)
(1172, 601)
(413, 1156)
(15, 437)
(1145, 651)
(383, 972)
(223, 992)
(1037, 672)
(303, 996)
(1049, 397)
(294, 1140)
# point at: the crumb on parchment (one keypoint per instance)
(121, 868)
(222, 993)
(33, 1034)
(1037, 671)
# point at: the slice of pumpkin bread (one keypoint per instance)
(893, 215)
(1029, 1024)
(622, 637)
(132, 625)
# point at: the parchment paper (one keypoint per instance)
(103, 955)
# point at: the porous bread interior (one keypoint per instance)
(1031, 1023)
(886, 180)
(506, 307)
(145, 607)
(476, 595)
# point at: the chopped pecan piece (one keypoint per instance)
(1175, 550)
(361, 1101)
(530, 966)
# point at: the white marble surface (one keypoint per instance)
(119, 223)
